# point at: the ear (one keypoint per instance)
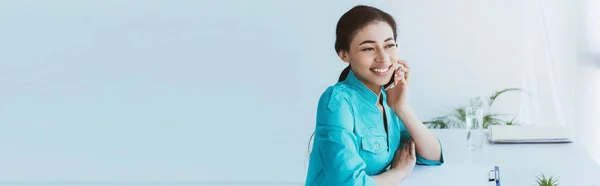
(344, 56)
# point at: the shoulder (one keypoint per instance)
(335, 108)
(335, 96)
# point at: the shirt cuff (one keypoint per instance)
(423, 161)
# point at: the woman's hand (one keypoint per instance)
(397, 92)
(404, 158)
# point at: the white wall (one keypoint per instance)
(198, 90)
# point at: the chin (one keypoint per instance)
(380, 83)
(383, 81)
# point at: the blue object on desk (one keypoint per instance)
(497, 171)
(495, 175)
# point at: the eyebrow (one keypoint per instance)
(371, 41)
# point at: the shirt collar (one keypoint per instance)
(362, 89)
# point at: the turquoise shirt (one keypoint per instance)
(350, 142)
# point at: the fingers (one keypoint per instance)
(397, 77)
(402, 62)
(412, 148)
(403, 82)
(403, 67)
(405, 151)
(407, 72)
(408, 149)
(404, 147)
(407, 145)
(400, 75)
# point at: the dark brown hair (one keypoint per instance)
(352, 21)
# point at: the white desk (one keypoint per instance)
(519, 163)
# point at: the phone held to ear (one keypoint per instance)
(390, 84)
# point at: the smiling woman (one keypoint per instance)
(365, 134)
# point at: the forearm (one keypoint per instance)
(427, 144)
(391, 177)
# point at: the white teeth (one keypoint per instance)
(381, 70)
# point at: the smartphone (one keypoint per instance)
(390, 82)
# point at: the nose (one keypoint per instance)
(382, 57)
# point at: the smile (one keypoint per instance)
(381, 71)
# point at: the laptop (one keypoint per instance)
(528, 134)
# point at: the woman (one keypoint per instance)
(366, 134)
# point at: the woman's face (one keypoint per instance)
(372, 54)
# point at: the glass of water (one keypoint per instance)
(474, 125)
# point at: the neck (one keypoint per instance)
(376, 89)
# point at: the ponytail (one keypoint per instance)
(344, 74)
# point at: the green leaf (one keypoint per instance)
(437, 123)
(547, 181)
(460, 114)
(511, 122)
(491, 119)
(487, 120)
(495, 95)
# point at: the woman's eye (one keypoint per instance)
(367, 49)
(391, 46)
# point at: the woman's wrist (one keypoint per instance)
(399, 173)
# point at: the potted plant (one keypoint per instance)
(543, 181)
(457, 118)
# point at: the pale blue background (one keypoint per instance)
(159, 90)
(206, 91)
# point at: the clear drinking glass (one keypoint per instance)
(474, 125)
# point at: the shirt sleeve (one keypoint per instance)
(405, 136)
(423, 161)
(338, 146)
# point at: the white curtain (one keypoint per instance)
(561, 73)
(589, 77)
